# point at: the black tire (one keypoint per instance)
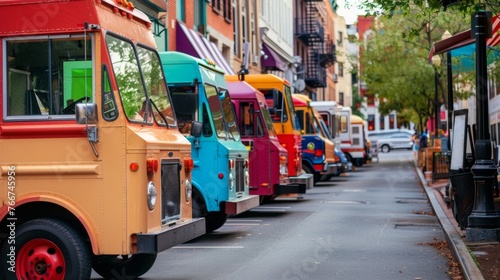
(385, 148)
(48, 249)
(215, 220)
(266, 198)
(123, 267)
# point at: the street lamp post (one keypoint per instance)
(483, 216)
(449, 81)
(436, 61)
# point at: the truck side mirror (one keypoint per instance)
(86, 113)
(196, 128)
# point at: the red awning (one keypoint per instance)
(464, 38)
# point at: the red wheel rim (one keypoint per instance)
(40, 258)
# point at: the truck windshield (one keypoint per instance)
(268, 121)
(155, 86)
(291, 108)
(134, 88)
(229, 115)
(222, 113)
(324, 128)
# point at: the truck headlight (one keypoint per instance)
(231, 181)
(189, 190)
(151, 195)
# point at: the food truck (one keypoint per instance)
(280, 106)
(318, 156)
(268, 159)
(353, 138)
(330, 113)
(221, 182)
(94, 172)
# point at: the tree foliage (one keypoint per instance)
(394, 59)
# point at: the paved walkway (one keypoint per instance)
(455, 236)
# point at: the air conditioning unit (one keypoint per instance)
(335, 78)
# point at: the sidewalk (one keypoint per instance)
(454, 235)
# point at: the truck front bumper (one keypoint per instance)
(305, 179)
(290, 188)
(331, 168)
(237, 206)
(169, 236)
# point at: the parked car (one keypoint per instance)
(375, 135)
(399, 140)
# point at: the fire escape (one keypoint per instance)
(321, 50)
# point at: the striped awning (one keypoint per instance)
(465, 38)
(191, 42)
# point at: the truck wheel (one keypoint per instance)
(214, 220)
(385, 148)
(123, 266)
(47, 249)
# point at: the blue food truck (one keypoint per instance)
(201, 100)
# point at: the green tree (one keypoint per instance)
(395, 64)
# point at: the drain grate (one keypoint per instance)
(343, 202)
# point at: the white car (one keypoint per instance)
(397, 140)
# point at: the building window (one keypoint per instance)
(391, 121)
(217, 6)
(382, 122)
(371, 122)
(341, 69)
(339, 40)
(236, 27)
(341, 98)
(181, 10)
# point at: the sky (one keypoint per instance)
(350, 13)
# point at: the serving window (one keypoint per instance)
(46, 76)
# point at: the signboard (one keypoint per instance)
(459, 140)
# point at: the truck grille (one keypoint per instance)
(240, 175)
(170, 191)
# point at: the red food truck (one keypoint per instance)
(268, 159)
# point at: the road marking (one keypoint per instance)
(274, 207)
(240, 224)
(242, 220)
(208, 247)
(355, 190)
(268, 210)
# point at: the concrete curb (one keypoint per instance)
(470, 271)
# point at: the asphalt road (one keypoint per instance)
(369, 224)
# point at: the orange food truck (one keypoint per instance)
(268, 159)
(280, 104)
(318, 156)
(94, 172)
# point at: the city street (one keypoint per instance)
(372, 223)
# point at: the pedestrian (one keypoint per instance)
(423, 140)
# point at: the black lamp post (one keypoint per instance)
(449, 88)
(436, 61)
(484, 169)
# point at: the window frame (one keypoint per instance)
(5, 69)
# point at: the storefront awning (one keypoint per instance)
(465, 38)
(191, 42)
(271, 60)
